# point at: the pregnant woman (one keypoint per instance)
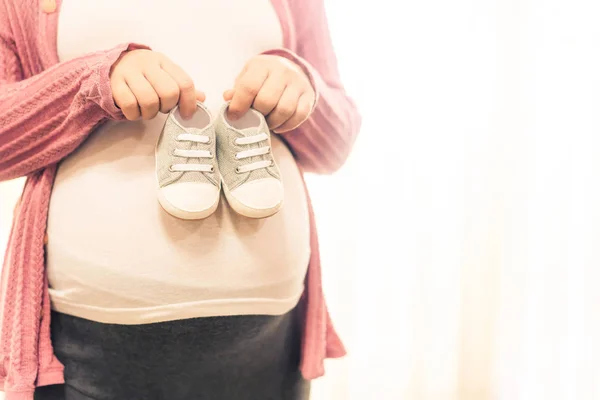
(104, 294)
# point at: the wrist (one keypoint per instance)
(102, 92)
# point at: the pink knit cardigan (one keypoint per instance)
(47, 109)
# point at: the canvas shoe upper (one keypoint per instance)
(251, 178)
(188, 175)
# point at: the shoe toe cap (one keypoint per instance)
(260, 194)
(190, 197)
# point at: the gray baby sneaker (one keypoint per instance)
(251, 178)
(188, 176)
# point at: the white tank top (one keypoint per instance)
(113, 254)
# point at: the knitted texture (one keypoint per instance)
(323, 142)
(47, 109)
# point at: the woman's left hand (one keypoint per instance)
(276, 87)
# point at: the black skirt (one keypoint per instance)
(217, 358)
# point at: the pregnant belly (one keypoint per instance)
(110, 244)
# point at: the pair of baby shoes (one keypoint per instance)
(197, 157)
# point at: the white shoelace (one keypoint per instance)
(188, 137)
(253, 152)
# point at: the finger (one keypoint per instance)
(245, 91)
(288, 103)
(165, 86)
(187, 90)
(200, 96)
(228, 95)
(305, 105)
(271, 91)
(145, 95)
(125, 100)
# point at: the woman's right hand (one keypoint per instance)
(144, 82)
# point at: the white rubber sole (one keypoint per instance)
(249, 212)
(183, 214)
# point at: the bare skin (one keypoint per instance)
(145, 83)
(276, 87)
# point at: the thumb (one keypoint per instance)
(228, 95)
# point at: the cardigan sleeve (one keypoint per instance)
(324, 141)
(47, 116)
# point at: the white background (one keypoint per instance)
(461, 243)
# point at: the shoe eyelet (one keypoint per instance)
(237, 170)
(212, 169)
(171, 168)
